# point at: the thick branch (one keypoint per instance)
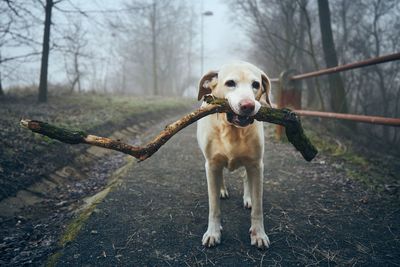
(284, 117)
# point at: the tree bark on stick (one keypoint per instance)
(284, 117)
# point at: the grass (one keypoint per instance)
(375, 171)
(89, 111)
(97, 114)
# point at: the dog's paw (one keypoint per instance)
(247, 202)
(259, 238)
(224, 193)
(211, 238)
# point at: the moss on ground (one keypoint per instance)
(376, 171)
(75, 225)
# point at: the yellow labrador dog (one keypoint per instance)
(233, 140)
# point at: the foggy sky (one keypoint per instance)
(224, 41)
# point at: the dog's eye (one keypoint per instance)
(230, 83)
(255, 85)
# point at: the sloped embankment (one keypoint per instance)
(26, 158)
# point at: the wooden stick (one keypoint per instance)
(285, 117)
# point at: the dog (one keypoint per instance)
(233, 140)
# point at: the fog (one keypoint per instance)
(224, 41)
(144, 47)
(117, 74)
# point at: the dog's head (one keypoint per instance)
(243, 85)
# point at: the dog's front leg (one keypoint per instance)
(212, 236)
(255, 182)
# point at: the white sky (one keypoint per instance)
(223, 40)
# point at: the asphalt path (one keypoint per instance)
(314, 215)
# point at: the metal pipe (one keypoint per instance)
(364, 63)
(359, 118)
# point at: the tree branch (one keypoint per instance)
(2, 60)
(284, 117)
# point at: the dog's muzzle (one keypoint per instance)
(237, 120)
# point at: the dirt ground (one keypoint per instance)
(26, 158)
(341, 209)
(50, 179)
(314, 215)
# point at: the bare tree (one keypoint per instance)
(157, 47)
(275, 30)
(336, 86)
(75, 42)
(16, 24)
(1, 84)
(153, 23)
(282, 33)
(42, 97)
(310, 59)
(372, 29)
(286, 36)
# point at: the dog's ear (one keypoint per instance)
(207, 83)
(266, 86)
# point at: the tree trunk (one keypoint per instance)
(77, 71)
(45, 53)
(1, 84)
(1, 87)
(154, 48)
(79, 84)
(312, 91)
(73, 84)
(336, 87)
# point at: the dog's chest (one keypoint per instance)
(235, 147)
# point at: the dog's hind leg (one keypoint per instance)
(224, 191)
(212, 236)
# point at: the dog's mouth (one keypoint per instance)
(241, 121)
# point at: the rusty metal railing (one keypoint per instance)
(350, 66)
(352, 117)
(289, 93)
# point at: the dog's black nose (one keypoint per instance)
(247, 106)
